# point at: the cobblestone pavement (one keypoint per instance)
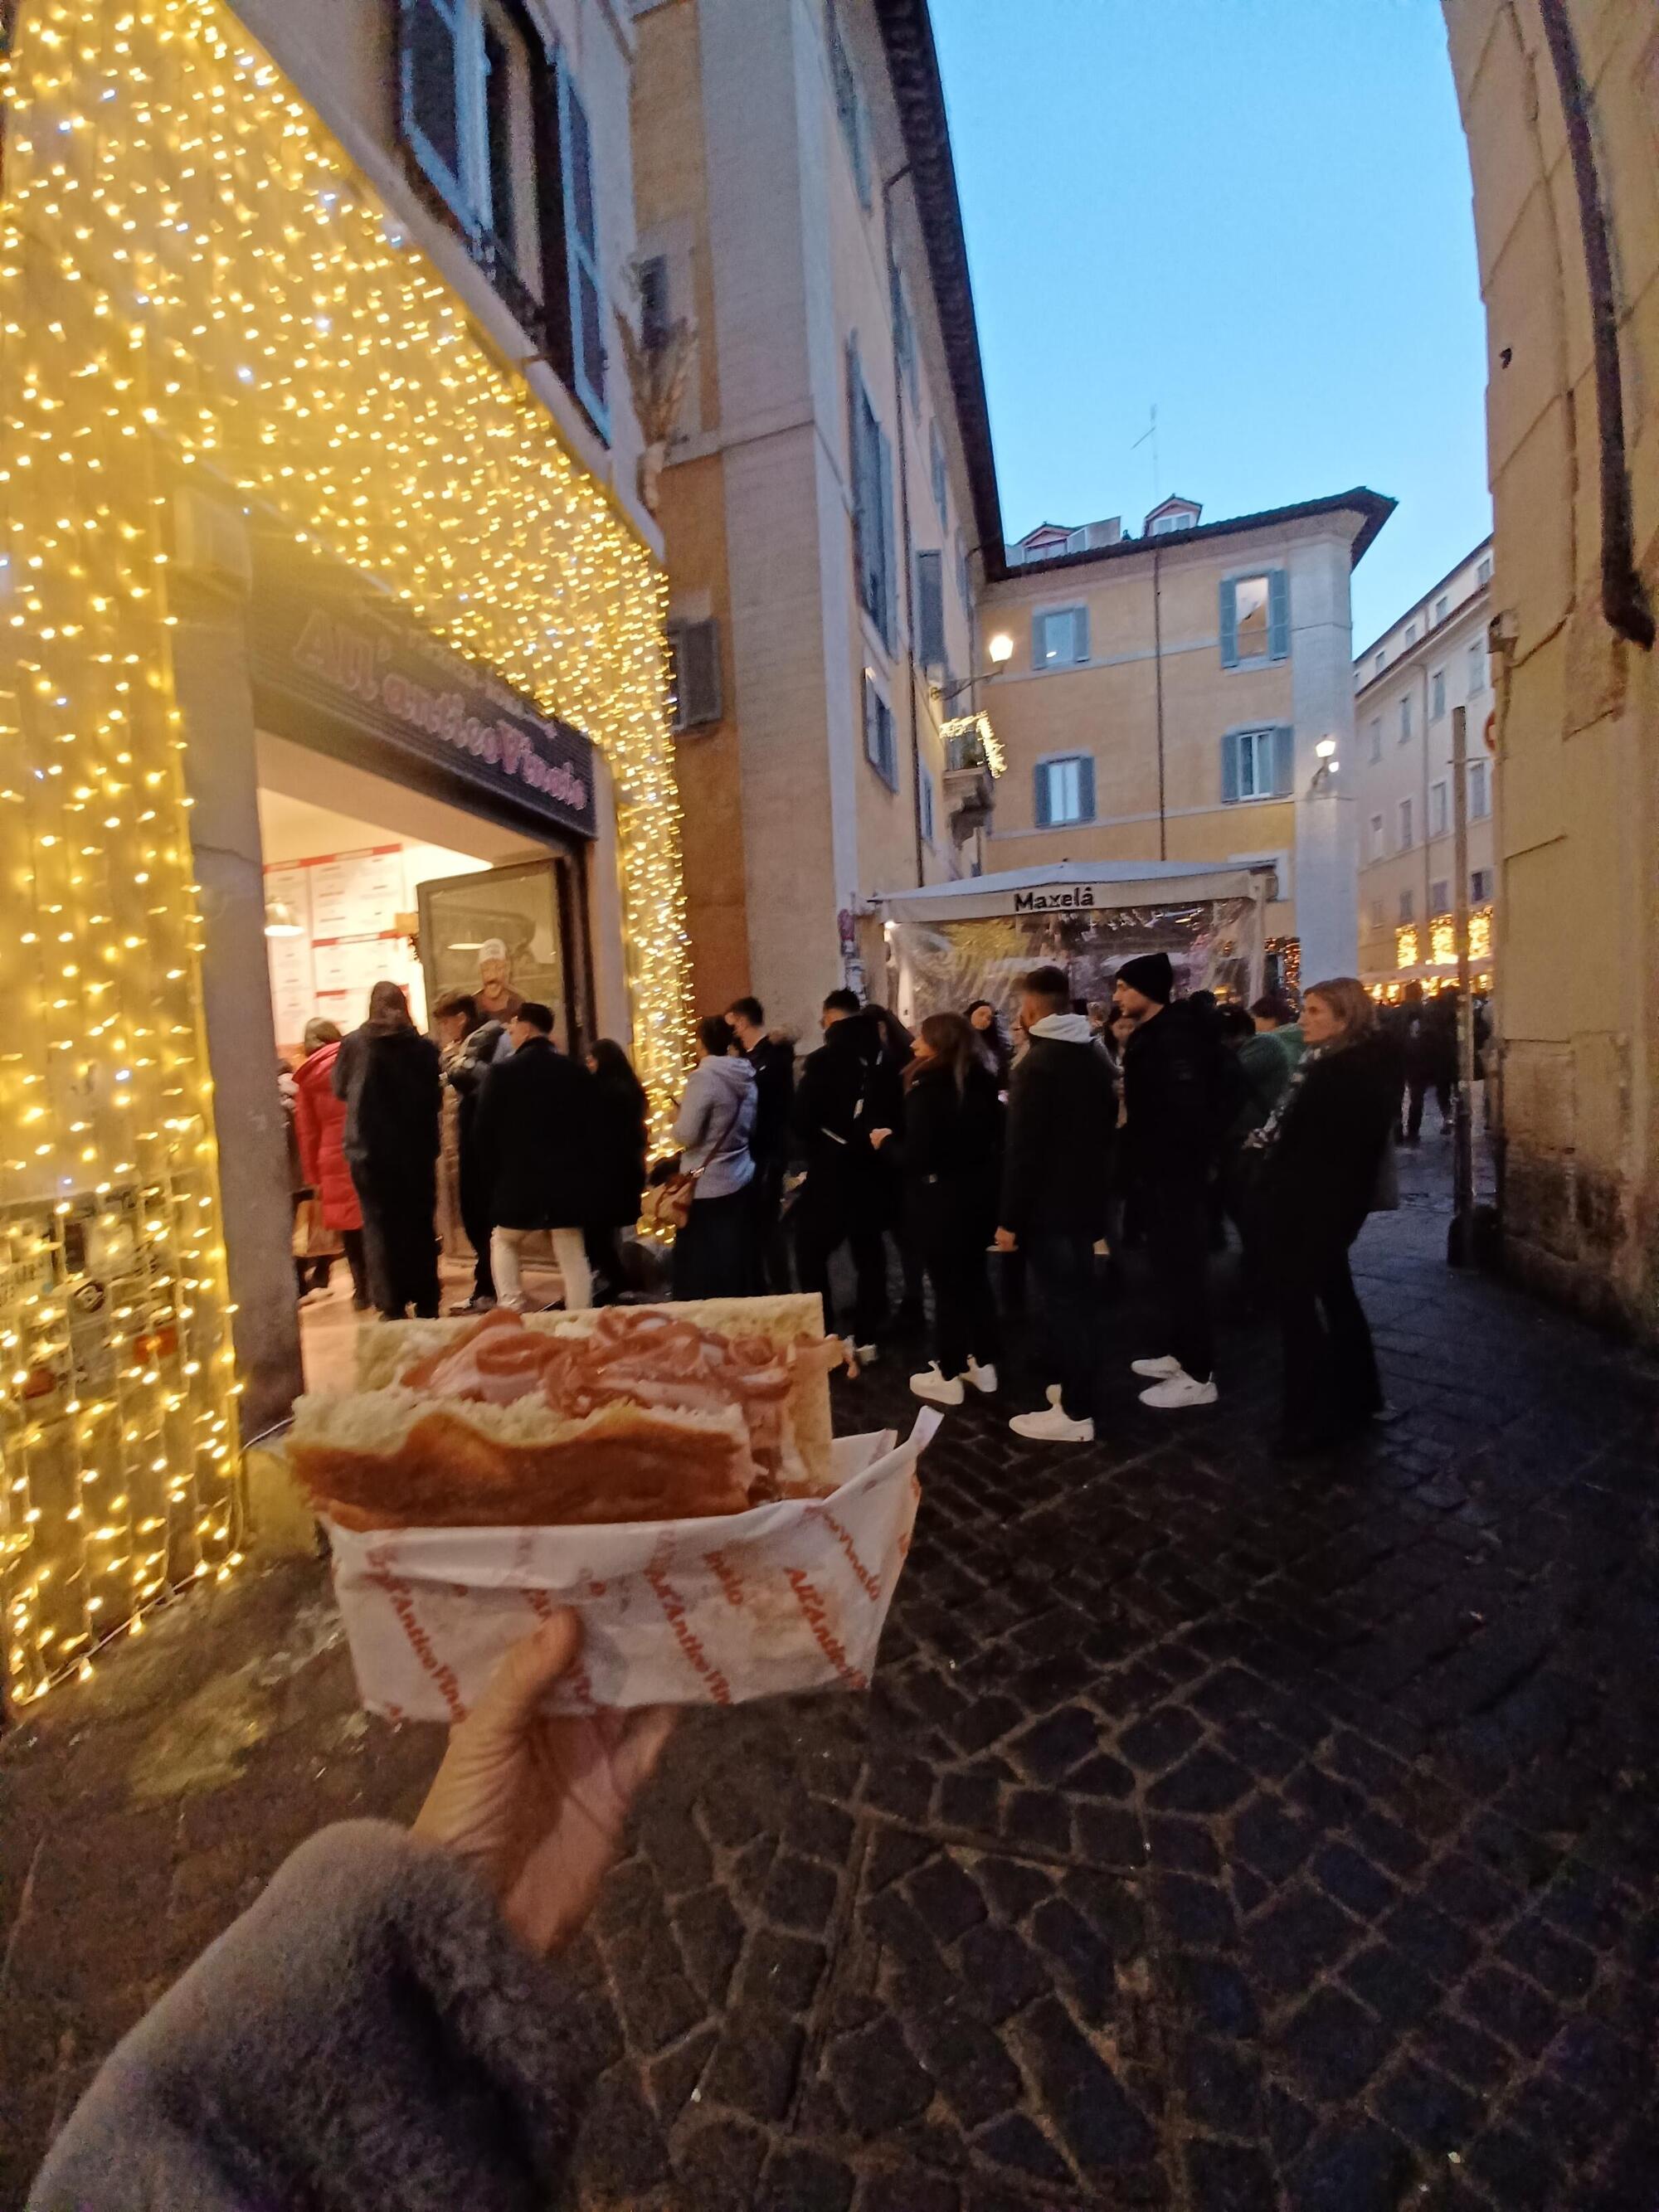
(1218, 1834)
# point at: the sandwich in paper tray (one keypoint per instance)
(669, 1471)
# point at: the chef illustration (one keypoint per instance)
(497, 1000)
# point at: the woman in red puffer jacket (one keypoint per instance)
(319, 1119)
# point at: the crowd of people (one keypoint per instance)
(990, 1172)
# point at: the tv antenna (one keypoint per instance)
(1151, 432)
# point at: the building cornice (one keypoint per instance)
(1369, 510)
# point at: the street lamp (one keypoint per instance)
(1000, 648)
(999, 651)
(1325, 773)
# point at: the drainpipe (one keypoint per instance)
(1624, 601)
(1157, 679)
(901, 449)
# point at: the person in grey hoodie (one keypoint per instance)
(712, 1253)
(387, 2029)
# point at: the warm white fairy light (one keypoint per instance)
(191, 278)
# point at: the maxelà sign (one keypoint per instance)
(337, 667)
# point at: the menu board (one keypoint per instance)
(357, 894)
(347, 906)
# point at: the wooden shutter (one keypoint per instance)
(930, 610)
(581, 251)
(884, 494)
(1039, 641)
(1278, 615)
(1041, 803)
(1085, 787)
(696, 651)
(1079, 633)
(1229, 751)
(1283, 760)
(1229, 643)
(430, 71)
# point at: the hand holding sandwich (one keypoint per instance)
(536, 1806)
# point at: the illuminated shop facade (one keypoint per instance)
(292, 535)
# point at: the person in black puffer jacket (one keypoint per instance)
(848, 1087)
(387, 1074)
(1056, 1184)
(951, 1156)
(1321, 1152)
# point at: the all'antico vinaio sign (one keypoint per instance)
(334, 668)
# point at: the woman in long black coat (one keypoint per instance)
(1322, 1152)
(951, 1156)
(621, 1119)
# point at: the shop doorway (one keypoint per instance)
(365, 881)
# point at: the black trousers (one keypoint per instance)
(712, 1253)
(352, 1241)
(1177, 1217)
(472, 1197)
(825, 1221)
(964, 1311)
(1417, 1087)
(603, 1246)
(768, 1245)
(1061, 1269)
(400, 1243)
(1331, 1381)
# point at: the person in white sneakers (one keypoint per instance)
(1056, 1180)
(950, 1155)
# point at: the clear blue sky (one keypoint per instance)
(1255, 213)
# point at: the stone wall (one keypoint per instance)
(1577, 956)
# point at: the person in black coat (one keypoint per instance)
(773, 1059)
(1056, 1184)
(1322, 1153)
(538, 1142)
(388, 1075)
(622, 1119)
(951, 1157)
(848, 1087)
(469, 1044)
(1180, 1088)
(1428, 1043)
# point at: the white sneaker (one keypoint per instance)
(984, 1379)
(1180, 1389)
(1055, 1426)
(1156, 1370)
(938, 1390)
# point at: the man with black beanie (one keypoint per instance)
(1180, 1087)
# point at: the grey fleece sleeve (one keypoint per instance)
(368, 2035)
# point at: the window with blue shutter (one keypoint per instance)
(694, 661)
(880, 747)
(930, 610)
(430, 71)
(936, 465)
(1255, 619)
(581, 241)
(1258, 764)
(925, 790)
(1060, 637)
(849, 106)
(1284, 761)
(870, 461)
(1278, 615)
(1229, 626)
(1064, 791)
(1230, 767)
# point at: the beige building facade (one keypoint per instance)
(828, 480)
(1429, 661)
(1166, 695)
(1559, 99)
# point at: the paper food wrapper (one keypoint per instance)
(789, 1596)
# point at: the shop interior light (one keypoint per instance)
(175, 213)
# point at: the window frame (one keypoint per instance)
(880, 732)
(1379, 837)
(925, 806)
(1407, 906)
(1277, 610)
(1077, 611)
(1482, 769)
(850, 108)
(1406, 731)
(1439, 896)
(1043, 815)
(1279, 741)
(1404, 820)
(1477, 665)
(870, 449)
(1439, 807)
(930, 607)
(713, 706)
(1375, 735)
(1437, 695)
(938, 469)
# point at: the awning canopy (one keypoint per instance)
(1080, 887)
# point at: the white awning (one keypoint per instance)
(1080, 887)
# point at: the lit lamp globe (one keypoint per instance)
(1000, 648)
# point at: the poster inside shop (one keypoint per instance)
(1214, 944)
(342, 935)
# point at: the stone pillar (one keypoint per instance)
(208, 596)
(1322, 693)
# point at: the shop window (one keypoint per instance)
(871, 458)
(880, 749)
(1064, 791)
(493, 123)
(694, 662)
(1060, 637)
(1255, 618)
(930, 610)
(1258, 764)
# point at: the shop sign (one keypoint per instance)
(1073, 899)
(331, 660)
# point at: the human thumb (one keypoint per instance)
(523, 1679)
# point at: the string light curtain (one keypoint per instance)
(193, 282)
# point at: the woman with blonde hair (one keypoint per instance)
(1323, 1148)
